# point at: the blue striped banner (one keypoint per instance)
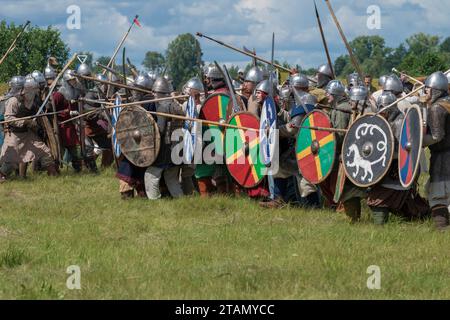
(114, 118)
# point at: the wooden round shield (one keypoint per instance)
(367, 150)
(138, 136)
(242, 150)
(315, 150)
(268, 126)
(410, 146)
(215, 107)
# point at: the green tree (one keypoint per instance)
(103, 60)
(183, 58)
(422, 43)
(154, 61)
(32, 50)
(424, 64)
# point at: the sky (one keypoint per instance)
(240, 23)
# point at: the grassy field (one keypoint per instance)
(220, 248)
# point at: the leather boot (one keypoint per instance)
(221, 185)
(127, 195)
(91, 165)
(440, 218)
(380, 215)
(107, 158)
(352, 208)
(23, 170)
(205, 187)
(52, 170)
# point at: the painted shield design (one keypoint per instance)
(268, 132)
(242, 150)
(215, 108)
(115, 112)
(367, 150)
(315, 149)
(410, 146)
(190, 132)
(138, 136)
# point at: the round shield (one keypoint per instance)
(242, 150)
(315, 149)
(268, 126)
(367, 150)
(190, 132)
(410, 146)
(215, 107)
(138, 136)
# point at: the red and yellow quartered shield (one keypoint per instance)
(242, 150)
(315, 149)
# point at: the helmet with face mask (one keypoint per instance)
(354, 80)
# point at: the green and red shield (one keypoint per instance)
(242, 150)
(315, 149)
(215, 107)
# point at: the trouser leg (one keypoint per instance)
(380, 215)
(187, 183)
(352, 209)
(205, 186)
(172, 178)
(152, 179)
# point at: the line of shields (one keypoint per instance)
(248, 143)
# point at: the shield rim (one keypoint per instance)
(391, 136)
(226, 129)
(157, 134)
(420, 146)
(209, 97)
(335, 145)
(260, 124)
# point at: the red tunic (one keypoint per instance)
(67, 131)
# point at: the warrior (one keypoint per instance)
(324, 76)
(21, 143)
(389, 196)
(437, 138)
(237, 83)
(15, 86)
(340, 119)
(373, 97)
(252, 78)
(393, 84)
(131, 177)
(64, 100)
(368, 83)
(163, 165)
(49, 75)
(96, 125)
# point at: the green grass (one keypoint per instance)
(191, 248)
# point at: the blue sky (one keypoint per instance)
(238, 22)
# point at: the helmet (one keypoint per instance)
(152, 75)
(17, 82)
(385, 99)
(299, 80)
(30, 83)
(214, 72)
(325, 69)
(309, 99)
(263, 86)
(335, 88)
(285, 93)
(101, 76)
(49, 72)
(143, 81)
(241, 71)
(382, 80)
(69, 74)
(393, 84)
(38, 76)
(437, 81)
(254, 75)
(84, 70)
(358, 93)
(194, 83)
(265, 74)
(354, 80)
(161, 85)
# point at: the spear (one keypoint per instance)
(32, 117)
(324, 40)
(250, 54)
(347, 45)
(322, 129)
(55, 82)
(120, 44)
(12, 46)
(115, 84)
(409, 77)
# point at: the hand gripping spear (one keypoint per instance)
(12, 46)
